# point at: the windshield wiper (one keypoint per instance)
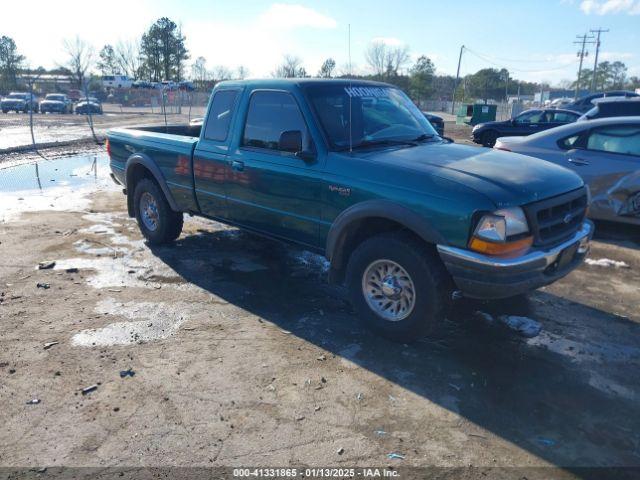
(380, 143)
(423, 137)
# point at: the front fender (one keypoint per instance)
(376, 209)
(140, 159)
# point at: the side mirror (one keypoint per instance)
(290, 141)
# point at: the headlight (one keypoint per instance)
(502, 224)
(494, 231)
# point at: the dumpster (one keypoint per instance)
(474, 114)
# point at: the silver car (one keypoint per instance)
(604, 152)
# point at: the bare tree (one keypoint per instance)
(243, 72)
(327, 68)
(79, 58)
(127, 56)
(386, 61)
(220, 73)
(397, 58)
(291, 67)
(199, 71)
(376, 57)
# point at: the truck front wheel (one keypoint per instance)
(398, 286)
(158, 223)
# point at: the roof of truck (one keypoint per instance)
(287, 82)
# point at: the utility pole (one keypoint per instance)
(582, 39)
(455, 84)
(595, 64)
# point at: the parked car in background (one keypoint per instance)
(75, 95)
(613, 107)
(142, 84)
(89, 105)
(436, 122)
(116, 81)
(186, 86)
(56, 103)
(169, 85)
(560, 102)
(527, 123)
(604, 152)
(353, 170)
(19, 102)
(584, 104)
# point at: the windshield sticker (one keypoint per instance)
(367, 91)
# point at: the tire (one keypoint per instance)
(168, 224)
(432, 285)
(489, 138)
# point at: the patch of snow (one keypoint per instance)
(606, 262)
(153, 321)
(526, 326)
(312, 261)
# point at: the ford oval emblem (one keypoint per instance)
(567, 218)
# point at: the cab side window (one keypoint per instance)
(220, 114)
(564, 117)
(623, 139)
(530, 117)
(271, 114)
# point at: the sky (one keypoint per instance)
(532, 39)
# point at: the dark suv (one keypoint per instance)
(614, 107)
(586, 103)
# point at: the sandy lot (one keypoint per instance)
(242, 355)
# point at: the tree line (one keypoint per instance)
(161, 54)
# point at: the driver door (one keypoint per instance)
(270, 189)
(528, 122)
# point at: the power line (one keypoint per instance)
(595, 63)
(500, 65)
(582, 39)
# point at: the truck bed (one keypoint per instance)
(169, 148)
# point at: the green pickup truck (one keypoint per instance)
(353, 170)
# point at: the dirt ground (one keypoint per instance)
(240, 354)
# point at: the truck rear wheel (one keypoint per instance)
(398, 286)
(158, 223)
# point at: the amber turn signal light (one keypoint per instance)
(503, 249)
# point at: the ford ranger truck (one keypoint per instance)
(354, 171)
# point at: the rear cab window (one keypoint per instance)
(220, 115)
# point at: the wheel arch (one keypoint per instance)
(140, 166)
(369, 218)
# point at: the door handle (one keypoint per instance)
(237, 165)
(578, 162)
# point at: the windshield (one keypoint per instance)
(21, 96)
(59, 98)
(361, 114)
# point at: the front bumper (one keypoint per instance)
(53, 108)
(483, 276)
(13, 106)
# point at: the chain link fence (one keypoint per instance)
(23, 127)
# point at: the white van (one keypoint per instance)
(116, 81)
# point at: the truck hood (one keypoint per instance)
(506, 178)
(52, 102)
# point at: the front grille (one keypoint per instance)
(556, 219)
